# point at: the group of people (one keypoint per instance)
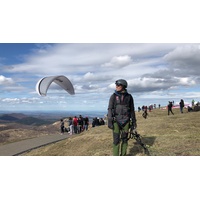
(79, 124)
(170, 105)
(195, 106)
(147, 108)
(98, 121)
(75, 125)
(195, 103)
(150, 107)
(190, 108)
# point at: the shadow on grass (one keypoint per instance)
(137, 148)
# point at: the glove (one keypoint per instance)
(110, 123)
(133, 125)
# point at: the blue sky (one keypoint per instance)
(155, 72)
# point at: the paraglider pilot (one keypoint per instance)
(121, 117)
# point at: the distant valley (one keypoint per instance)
(18, 126)
(23, 119)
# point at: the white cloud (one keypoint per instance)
(187, 81)
(119, 61)
(9, 85)
(82, 58)
(5, 81)
(185, 53)
(185, 58)
(11, 100)
(89, 75)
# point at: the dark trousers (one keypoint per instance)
(170, 110)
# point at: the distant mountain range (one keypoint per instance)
(23, 119)
(39, 118)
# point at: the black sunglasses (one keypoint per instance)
(117, 84)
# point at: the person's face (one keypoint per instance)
(119, 88)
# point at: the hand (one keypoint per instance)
(134, 126)
(110, 123)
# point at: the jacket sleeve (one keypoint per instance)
(110, 111)
(111, 107)
(132, 107)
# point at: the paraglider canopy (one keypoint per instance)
(43, 84)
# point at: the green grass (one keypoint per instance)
(173, 135)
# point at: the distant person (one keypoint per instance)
(169, 108)
(70, 123)
(145, 114)
(101, 121)
(62, 127)
(159, 106)
(150, 108)
(93, 122)
(181, 105)
(121, 117)
(193, 102)
(143, 108)
(190, 109)
(80, 124)
(86, 123)
(97, 121)
(75, 124)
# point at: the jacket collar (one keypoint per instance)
(124, 92)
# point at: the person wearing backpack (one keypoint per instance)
(181, 105)
(121, 117)
(169, 108)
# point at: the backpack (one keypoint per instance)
(122, 110)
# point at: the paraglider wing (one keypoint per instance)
(44, 83)
(65, 83)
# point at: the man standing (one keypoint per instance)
(169, 107)
(121, 117)
(181, 105)
(75, 124)
(62, 127)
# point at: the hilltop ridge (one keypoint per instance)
(23, 119)
(166, 135)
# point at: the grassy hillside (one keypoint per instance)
(173, 135)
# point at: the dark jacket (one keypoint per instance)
(121, 108)
(181, 103)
